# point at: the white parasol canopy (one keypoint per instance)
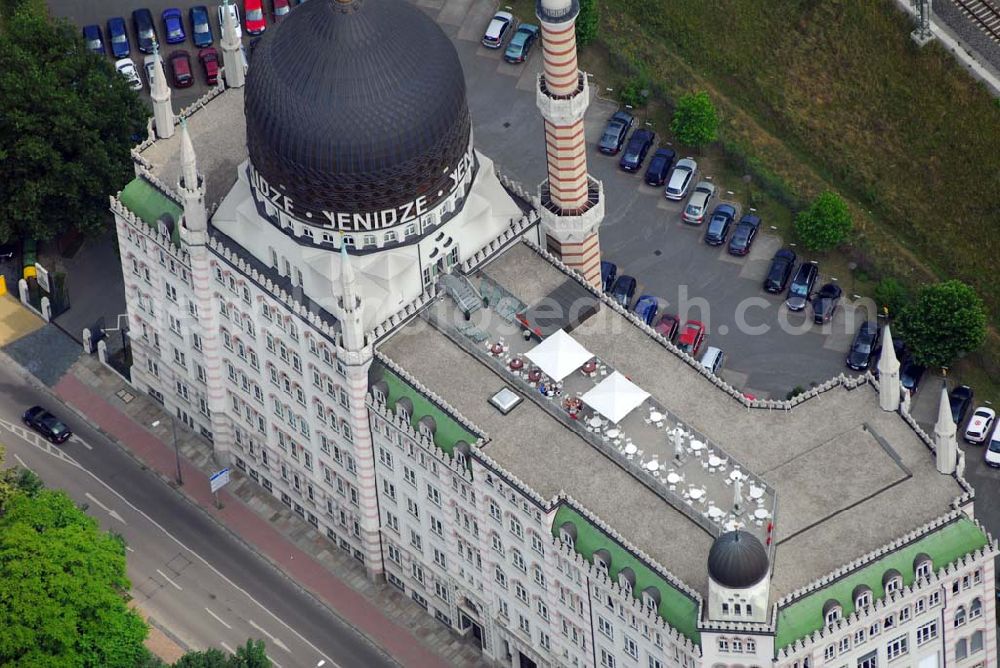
(559, 355)
(615, 397)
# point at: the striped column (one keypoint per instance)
(211, 341)
(583, 256)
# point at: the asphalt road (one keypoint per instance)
(196, 581)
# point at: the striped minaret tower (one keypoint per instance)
(354, 350)
(572, 203)
(159, 93)
(194, 234)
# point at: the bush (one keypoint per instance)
(632, 93)
(825, 224)
(587, 22)
(795, 391)
(892, 295)
(695, 122)
(945, 321)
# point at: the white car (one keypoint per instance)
(680, 178)
(148, 64)
(700, 200)
(712, 359)
(980, 425)
(992, 454)
(126, 68)
(500, 26)
(236, 19)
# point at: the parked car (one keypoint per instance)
(94, 38)
(148, 64)
(173, 26)
(235, 13)
(910, 373)
(898, 346)
(623, 290)
(646, 307)
(667, 326)
(635, 152)
(659, 167)
(697, 206)
(980, 425)
(209, 59)
(46, 424)
(609, 272)
(145, 31)
(712, 359)
(521, 43)
(780, 270)
(680, 179)
(719, 224)
(118, 37)
(826, 302)
(992, 454)
(126, 68)
(254, 12)
(960, 399)
(615, 132)
(201, 27)
(281, 9)
(801, 286)
(691, 337)
(180, 66)
(498, 29)
(860, 357)
(744, 234)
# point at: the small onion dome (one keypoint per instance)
(405, 406)
(737, 560)
(653, 594)
(428, 423)
(603, 556)
(462, 447)
(381, 388)
(627, 575)
(890, 575)
(569, 529)
(830, 605)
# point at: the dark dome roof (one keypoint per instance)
(737, 560)
(355, 106)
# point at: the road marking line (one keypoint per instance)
(77, 439)
(21, 462)
(103, 507)
(114, 514)
(270, 637)
(275, 663)
(129, 548)
(164, 576)
(227, 648)
(218, 619)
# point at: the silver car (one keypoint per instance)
(700, 200)
(680, 179)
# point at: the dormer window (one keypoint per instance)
(567, 533)
(832, 611)
(862, 596)
(651, 598)
(626, 580)
(922, 567)
(602, 561)
(892, 581)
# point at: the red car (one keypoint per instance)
(209, 59)
(180, 65)
(691, 337)
(667, 326)
(254, 12)
(281, 9)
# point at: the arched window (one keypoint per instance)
(961, 649)
(626, 579)
(567, 533)
(976, 642)
(651, 598)
(975, 608)
(892, 581)
(862, 596)
(832, 611)
(922, 566)
(960, 616)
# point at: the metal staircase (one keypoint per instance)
(462, 292)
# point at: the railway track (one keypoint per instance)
(984, 14)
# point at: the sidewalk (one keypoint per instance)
(391, 620)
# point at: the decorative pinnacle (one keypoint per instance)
(189, 169)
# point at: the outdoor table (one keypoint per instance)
(630, 449)
(516, 364)
(696, 493)
(756, 492)
(595, 422)
(614, 433)
(737, 475)
(674, 478)
(535, 375)
(761, 513)
(652, 465)
(496, 349)
(697, 445)
(716, 513)
(714, 461)
(656, 416)
(589, 367)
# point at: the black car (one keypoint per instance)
(801, 286)
(638, 146)
(898, 346)
(659, 166)
(615, 132)
(744, 235)
(609, 272)
(780, 270)
(910, 373)
(825, 303)
(859, 357)
(46, 424)
(623, 290)
(960, 399)
(718, 225)
(145, 30)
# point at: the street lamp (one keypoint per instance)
(177, 452)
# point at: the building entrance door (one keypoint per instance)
(466, 622)
(525, 662)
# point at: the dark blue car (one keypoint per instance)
(646, 307)
(173, 26)
(659, 166)
(118, 36)
(609, 272)
(615, 133)
(623, 290)
(635, 153)
(145, 31)
(201, 28)
(718, 225)
(94, 39)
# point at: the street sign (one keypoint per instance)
(219, 480)
(42, 276)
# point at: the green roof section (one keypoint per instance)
(146, 201)
(448, 431)
(677, 607)
(943, 546)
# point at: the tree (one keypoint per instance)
(826, 222)
(587, 22)
(946, 320)
(252, 654)
(695, 122)
(63, 587)
(67, 122)
(210, 658)
(892, 295)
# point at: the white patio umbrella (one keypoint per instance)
(615, 397)
(559, 355)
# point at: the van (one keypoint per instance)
(712, 359)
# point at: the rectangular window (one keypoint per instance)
(631, 648)
(869, 660)
(897, 647)
(607, 659)
(927, 632)
(604, 626)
